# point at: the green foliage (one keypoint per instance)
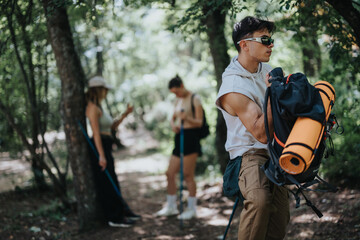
(343, 167)
(321, 17)
(54, 210)
(140, 55)
(208, 161)
(17, 67)
(188, 16)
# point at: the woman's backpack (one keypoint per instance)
(204, 129)
(293, 99)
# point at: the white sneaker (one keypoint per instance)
(167, 211)
(120, 223)
(187, 214)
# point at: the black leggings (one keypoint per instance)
(114, 206)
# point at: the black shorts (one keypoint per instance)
(191, 142)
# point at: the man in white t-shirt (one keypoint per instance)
(241, 96)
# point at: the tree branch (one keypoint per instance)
(14, 126)
(350, 14)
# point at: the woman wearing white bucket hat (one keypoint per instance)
(116, 210)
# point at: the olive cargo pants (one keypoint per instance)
(265, 214)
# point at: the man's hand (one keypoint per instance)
(268, 84)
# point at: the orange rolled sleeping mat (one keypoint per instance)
(306, 135)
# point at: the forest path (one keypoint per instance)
(140, 168)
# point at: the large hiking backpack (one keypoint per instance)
(302, 121)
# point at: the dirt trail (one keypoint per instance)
(30, 215)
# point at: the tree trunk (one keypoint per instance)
(215, 24)
(99, 58)
(311, 56)
(72, 86)
(349, 13)
(38, 174)
(311, 53)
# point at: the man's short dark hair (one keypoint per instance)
(247, 26)
(175, 82)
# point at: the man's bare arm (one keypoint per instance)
(249, 112)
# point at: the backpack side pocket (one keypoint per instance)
(231, 177)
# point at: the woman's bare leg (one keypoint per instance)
(189, 173)
(173, 169)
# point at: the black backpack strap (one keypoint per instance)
(267, 93)
(192, 104)
(271, 168)
(305, 187)
(309, 203)
(297, 198)
(318, 179)
(330, 186)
